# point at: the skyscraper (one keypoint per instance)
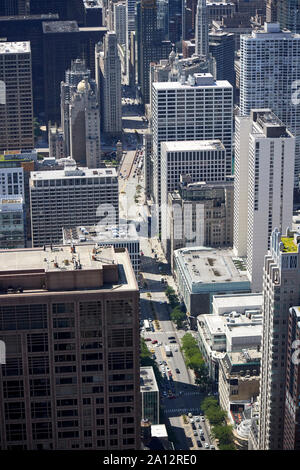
(80, 113)
(69, 319)
(109, 84)
(16, 109)
(197, 109)
(269, 72)
(201, 29)
(288, 15)
(150, 44)
(281, 278)
(264, 200)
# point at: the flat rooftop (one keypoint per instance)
(203, 80)
(229, 302)
(15, 47)
(208, 265)
(33, 267)
(100, 233)
(73, 173)
(193, 145)
(147, 380)
(92, 3)
(245, 356)
(60, 27)
(159, 430)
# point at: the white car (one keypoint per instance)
(202, 418)
(206, 445)
(197, 419)
(190, 415)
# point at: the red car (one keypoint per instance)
(154, 341)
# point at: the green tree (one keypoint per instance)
(223, 433)
(177, 316)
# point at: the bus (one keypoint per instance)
(147, 325)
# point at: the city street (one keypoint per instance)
(178, 394)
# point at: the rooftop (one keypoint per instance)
(197, 80)
(229, 302)
(60, 27)
(92, 3)
(203, 265)
(72, 170)
(193, 145)
(100, 233)
(61, 267)
(14, 47)
(147, 380)
(245, 356)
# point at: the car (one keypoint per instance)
(160, 363)
(195, 433)
(202, 418)
(154, 341)
(212, 447)
(177, 371)
(206, 445)
(194, 425)
(202, 437)
(199, 444)
(199, 427)
(197, 419)
(148, 339)
(171, 337)
(173, 341)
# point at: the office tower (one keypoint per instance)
(12, 222)
(69, 319)
(92, 13)
(16, 111)
(201, 29)
(120, 26)
(263, 186)
(69, 198)
(14, 7)
(175, 20)
(67, 10)
(291, 438)
(281, 277)
(64, 41)
(73, 76)
(12, 181)
(271, 11)
(268, 78)
(200, 214)
(29, 28)
(190, 5)
(197, 109)
(109, 85)
(80, 115)
(150, 44)
(288, 15)
(162, 16)
(221, 47)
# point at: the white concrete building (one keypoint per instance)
(203, 160)
(69, 198)
(12, 182)
(269, 77)
(265, 161)
(197, 109)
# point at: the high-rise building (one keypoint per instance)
(281, 278)
(221, 47)
(288, 15)
(201, 29)
(264, 166)
(108, 78)
(12, 222)
(92, 13)
(30, 28)
(291, 438)
(175, 20)
(200, 214)
(16, 110)
(269, 74)
(120, 26)
(80, 115)
(14, 7)
(271, 11)
(69, 198)
(197, 109)
(69, 318)
(64, 41)
(151, 46)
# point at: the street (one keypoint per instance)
(178, 394)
